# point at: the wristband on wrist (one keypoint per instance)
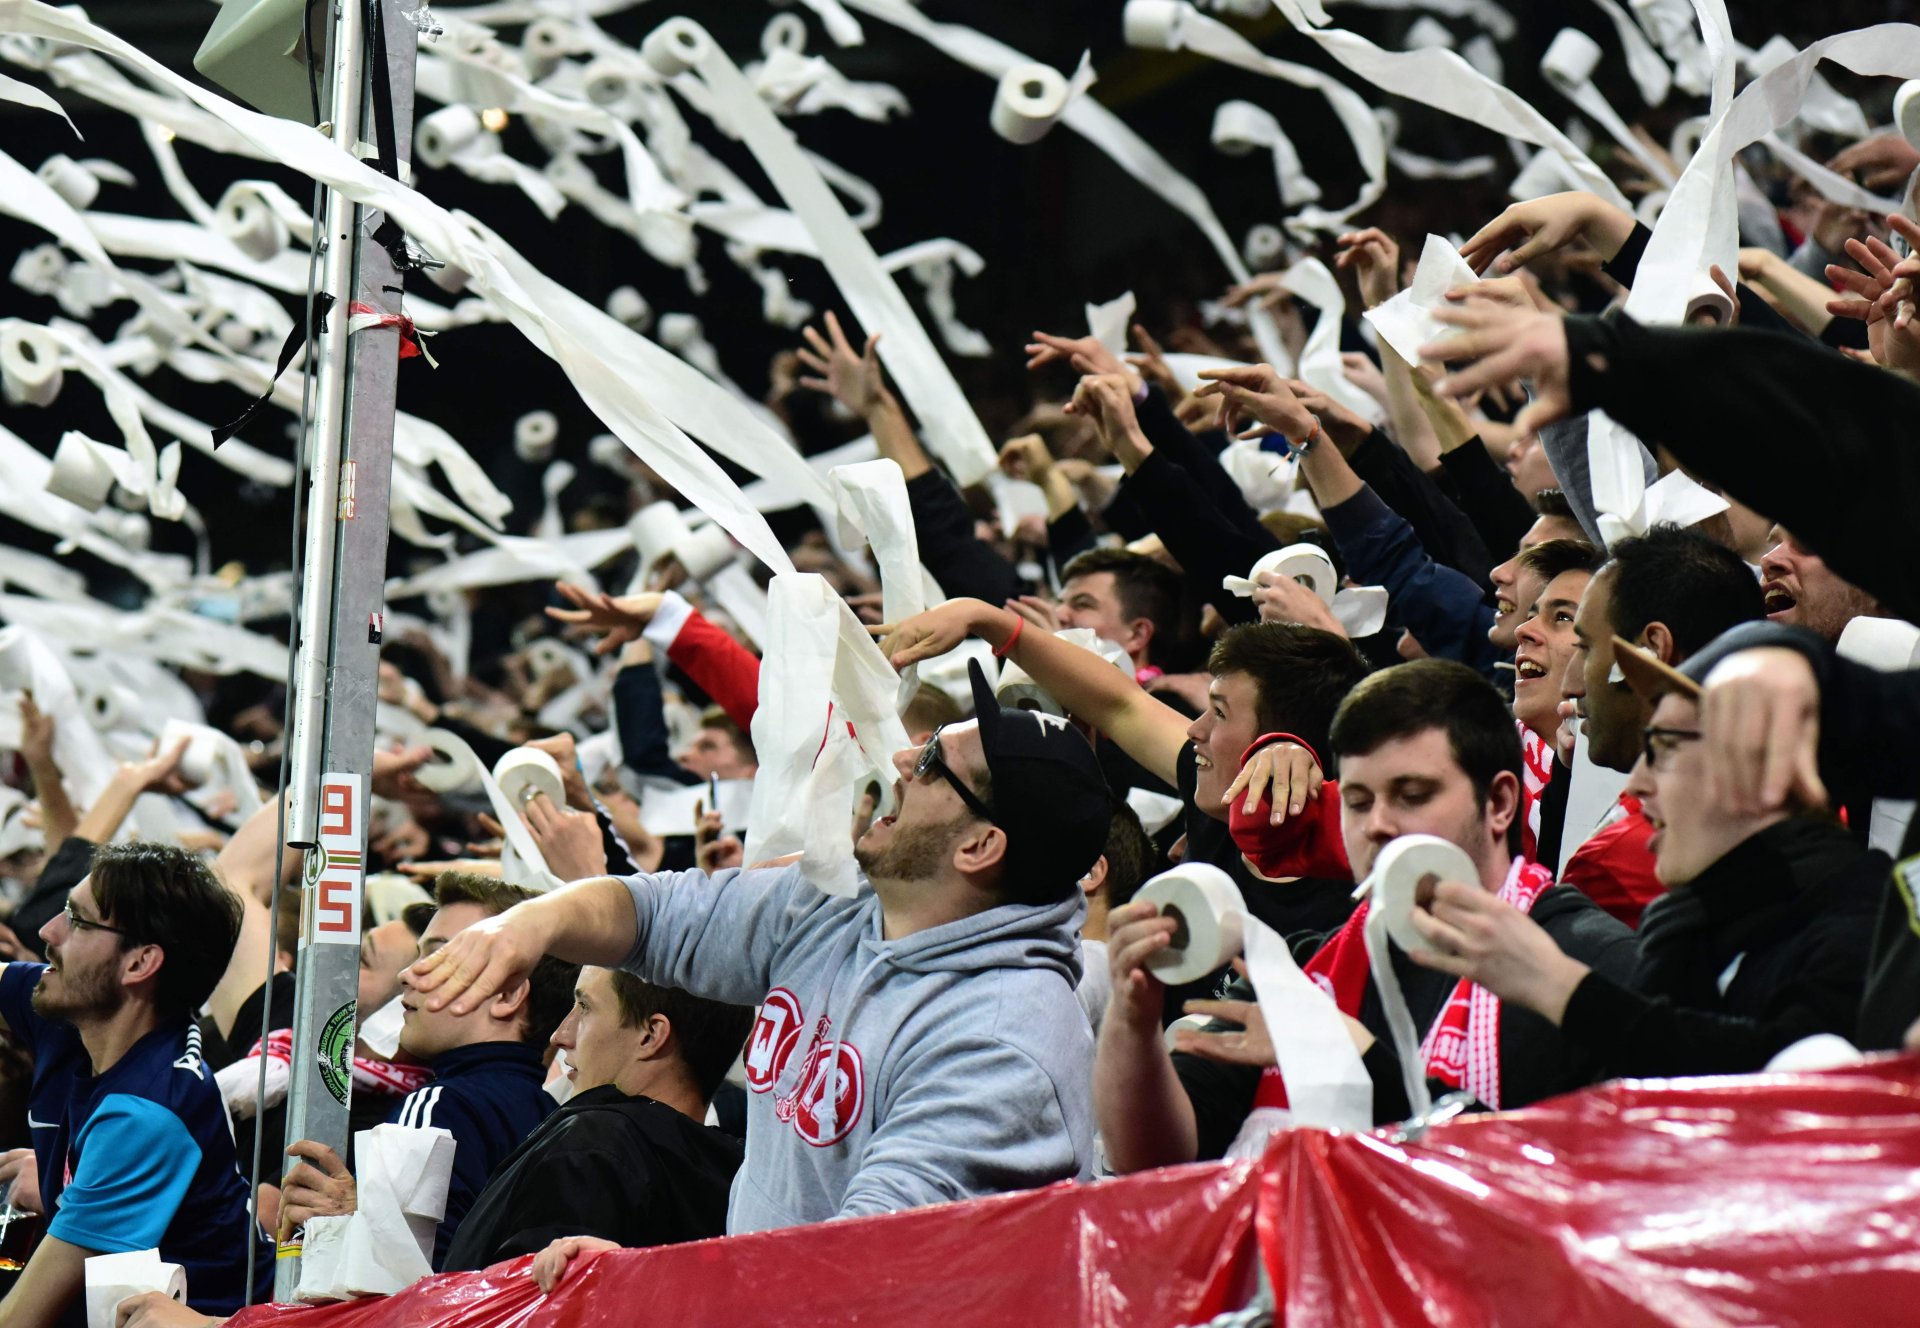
(1311, 441)
(1019, 623)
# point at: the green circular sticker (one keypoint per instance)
(336, 1052)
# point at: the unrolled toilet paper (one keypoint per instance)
(1028, 102)
(451, 768)
(381, 1030)
(1209, 914)
(1306, 563)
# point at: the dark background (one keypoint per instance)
(1057, 222)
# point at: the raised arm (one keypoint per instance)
(57, 817)
(1089, 686)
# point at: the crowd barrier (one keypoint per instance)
(1776, 1199)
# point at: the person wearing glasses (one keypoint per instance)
(1762, 939)
(129, 1132)
(917, 1043)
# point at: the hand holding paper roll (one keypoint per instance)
(1472, 933)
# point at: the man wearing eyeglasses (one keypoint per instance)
(129, 1132)
(1761, 940)
(917, 1043)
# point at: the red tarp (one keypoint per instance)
(1758, 1199)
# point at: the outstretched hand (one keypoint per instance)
(1258, 393)
(853, 378)
(1541, 226)
(1497, 345)
(1085, 355)
(619, 618)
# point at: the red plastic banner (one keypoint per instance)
(1745, 1200)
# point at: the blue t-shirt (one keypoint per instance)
(489, 1097)
(141, 1156)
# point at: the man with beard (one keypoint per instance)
(918, 1042)
(129, 1133)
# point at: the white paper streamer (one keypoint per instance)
(1407, 322)
(1568, 66)
(1320, 358)
(1240, 127)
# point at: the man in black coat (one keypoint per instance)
(627, 1160)
(1761, 940)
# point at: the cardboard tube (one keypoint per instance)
(534, 436)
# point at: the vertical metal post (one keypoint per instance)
(343, 584)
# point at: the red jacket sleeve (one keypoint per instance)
(720, 666)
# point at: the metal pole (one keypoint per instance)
(343, 582)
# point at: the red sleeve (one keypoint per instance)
(720, 666)
(1309, 844)
(1614, 868)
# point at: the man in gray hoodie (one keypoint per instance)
(918, 1043)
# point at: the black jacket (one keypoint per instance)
(1767, 946)
(625, 1169)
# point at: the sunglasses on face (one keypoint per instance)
(930, 763)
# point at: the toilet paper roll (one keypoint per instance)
(445, 133)
(534, 435)
(545, 654)
(607, 82)
(246, 218)
(1209, 912)
(1196, 1023)
(1405, 873)
(1571, 57)
(1153, 25)
(30, 373)
(1265, 245)
(80, 474)
(453, 767)
(630, 307)
(675, 47)
(705, 552)
(784, 32)
(1028, 102)
(1906, 111)
(1306, 563)
(72, 181)
(1240, 127)
(525, 772)
(110, 708)
(202, 761)
(657, 530)
(1708, 298)
(549, 39)
(112, 1278)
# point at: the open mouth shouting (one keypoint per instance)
(1779, 599)
(1527, 669)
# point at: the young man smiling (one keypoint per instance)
(916, 1043)
(129, 1132)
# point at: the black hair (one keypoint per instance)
(708, 1033)
(1435, 694)
(1550, 558)
(1128, 853)
(1697, 587)
(158, 894)
(1146, 588)
(1300, 675)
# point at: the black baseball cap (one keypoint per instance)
(1049, 794)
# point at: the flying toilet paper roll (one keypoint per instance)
(1406, 871)
(1028, 102)
(1209, 913)
(80, 474)
(1306, 563)
(705, 551)
(1906, 111)
(675, 47)
(1240, 127)
(525, 772)
(452, 768)
(110, 708)
(534, 435)
(1265, 245)
(251, 223)
(444, 134)
(30, 373)
(658, 529)
(1571, 57)
(629, 306)
(607, 82)
(1153, 25)
(72, 181)
(784, 32)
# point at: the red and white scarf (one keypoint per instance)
(381, 1078)
(1536, 772)
(1462, 1048)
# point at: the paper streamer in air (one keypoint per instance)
(1240, 127)
(1320, 364)
(952, 431)
(1568, 65)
